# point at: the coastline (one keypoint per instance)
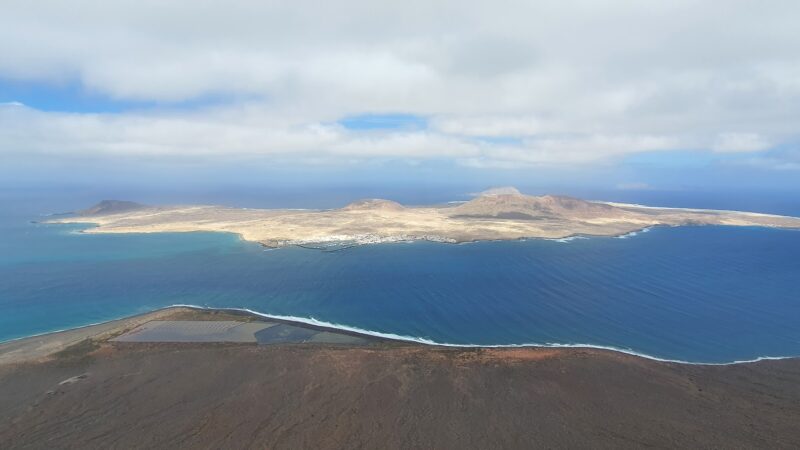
(301, 321)
(54, 341)
(351, 242)
(355, 242)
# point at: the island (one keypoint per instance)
(496, 214)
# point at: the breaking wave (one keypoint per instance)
(420, 340)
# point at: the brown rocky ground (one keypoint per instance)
(115, 395)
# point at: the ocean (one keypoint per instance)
(696, 294)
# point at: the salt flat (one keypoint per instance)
(194, 331)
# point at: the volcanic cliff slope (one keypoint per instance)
(508, 203)
(373, 204)
(111, 207)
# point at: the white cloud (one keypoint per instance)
(225, 132)
(740, 142)
(488, 126)
(580, 82)
(569, 150)
(254, 132)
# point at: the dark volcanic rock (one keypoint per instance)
(302, 396)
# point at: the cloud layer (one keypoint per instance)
(500, 85)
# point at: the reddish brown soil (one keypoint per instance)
(389, 396)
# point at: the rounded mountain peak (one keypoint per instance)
(504, 190)
(373, 204)
(106, 207)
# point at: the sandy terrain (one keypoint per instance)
(144, 326)
(38, 348)
(102, 394)
(495, 215)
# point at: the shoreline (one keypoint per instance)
(126, 389)
(339, 328)
(98, 329)
(355, 241)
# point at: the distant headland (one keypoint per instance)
(496, 214)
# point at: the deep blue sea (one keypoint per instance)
(697, 294)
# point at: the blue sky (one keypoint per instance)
(561, 95)
(384, 122)
(61, 97)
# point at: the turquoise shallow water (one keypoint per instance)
(700, 294)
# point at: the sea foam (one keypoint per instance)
(425, 341)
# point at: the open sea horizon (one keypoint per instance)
(708, 294)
